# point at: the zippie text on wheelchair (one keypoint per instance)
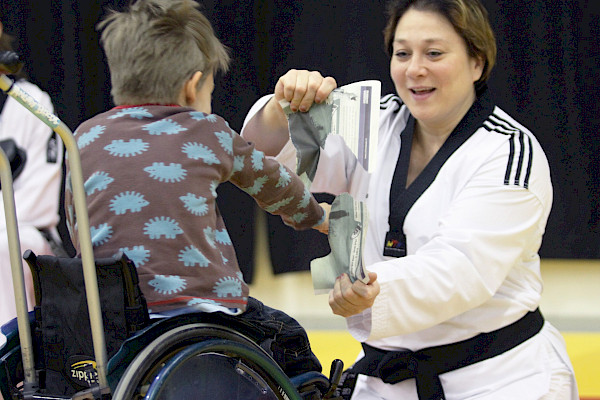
(83, 343)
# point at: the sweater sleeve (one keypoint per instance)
(274, 186)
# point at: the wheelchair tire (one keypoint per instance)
(139, 376)
(260, 377)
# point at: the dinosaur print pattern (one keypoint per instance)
(284, 177)
(210, 236)
(200, 116)
(166, 126)
(238, 163)
(228, 286)
(86, 138)
(257, 160)
(191, 256)
(100, 234)
(127, 201)
(166, 173)
(168, 284)
(299, 217)
(257, 187)
(133, 112)
(226, 141)
(121, 148)
(274, 207)
(198, 301)
(138, 254)
(305, 199)
(151, 175)
(97, 182)
(198, 151)
(195, 204)
(162, 227)
(222, 237)
(224, 259)
(213, 188)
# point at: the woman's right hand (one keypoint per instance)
(303, 88)
(268, 129)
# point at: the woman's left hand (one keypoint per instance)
(347, 298)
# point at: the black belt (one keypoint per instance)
(427, 364)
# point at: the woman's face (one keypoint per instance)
(432, 72)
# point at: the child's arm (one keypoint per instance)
(276, 188)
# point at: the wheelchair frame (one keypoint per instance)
(87, 255)
(238, 342)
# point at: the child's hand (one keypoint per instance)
(324, 226)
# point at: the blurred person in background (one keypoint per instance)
(36, 188)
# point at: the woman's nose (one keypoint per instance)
(415, 67)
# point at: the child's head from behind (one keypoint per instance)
(154, 47)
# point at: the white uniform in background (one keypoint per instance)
(36, 189)
(472, 261)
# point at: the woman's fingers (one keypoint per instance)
(347, 298)
(302, 88)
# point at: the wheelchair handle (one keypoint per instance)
(85, 241)
(10, 63)
(335, 374)
(16, 265)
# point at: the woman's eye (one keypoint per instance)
(401, 54)
(434, 53)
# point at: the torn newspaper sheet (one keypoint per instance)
(347, 232)
(351, 111)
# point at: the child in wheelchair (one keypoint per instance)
(151, 166)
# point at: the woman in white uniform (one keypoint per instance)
(36, 189)
(458, 205)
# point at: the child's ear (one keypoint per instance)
(191, 88)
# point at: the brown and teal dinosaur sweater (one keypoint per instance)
(150, 175)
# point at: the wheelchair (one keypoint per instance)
(189, 356)
(81, 342)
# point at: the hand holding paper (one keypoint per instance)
(347, 230)
(351, 111)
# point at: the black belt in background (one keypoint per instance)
(427, 364)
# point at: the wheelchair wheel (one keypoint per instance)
(192, 369)
(220, 369)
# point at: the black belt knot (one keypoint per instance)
(427, 364)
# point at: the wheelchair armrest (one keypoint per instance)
(11, 363)
(10, 331)
(307, 382)
(11, 371)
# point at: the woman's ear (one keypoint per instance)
(191, 88)
(478, 65)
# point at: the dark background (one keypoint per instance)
(546, 76)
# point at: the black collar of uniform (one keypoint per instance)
(402, 198)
